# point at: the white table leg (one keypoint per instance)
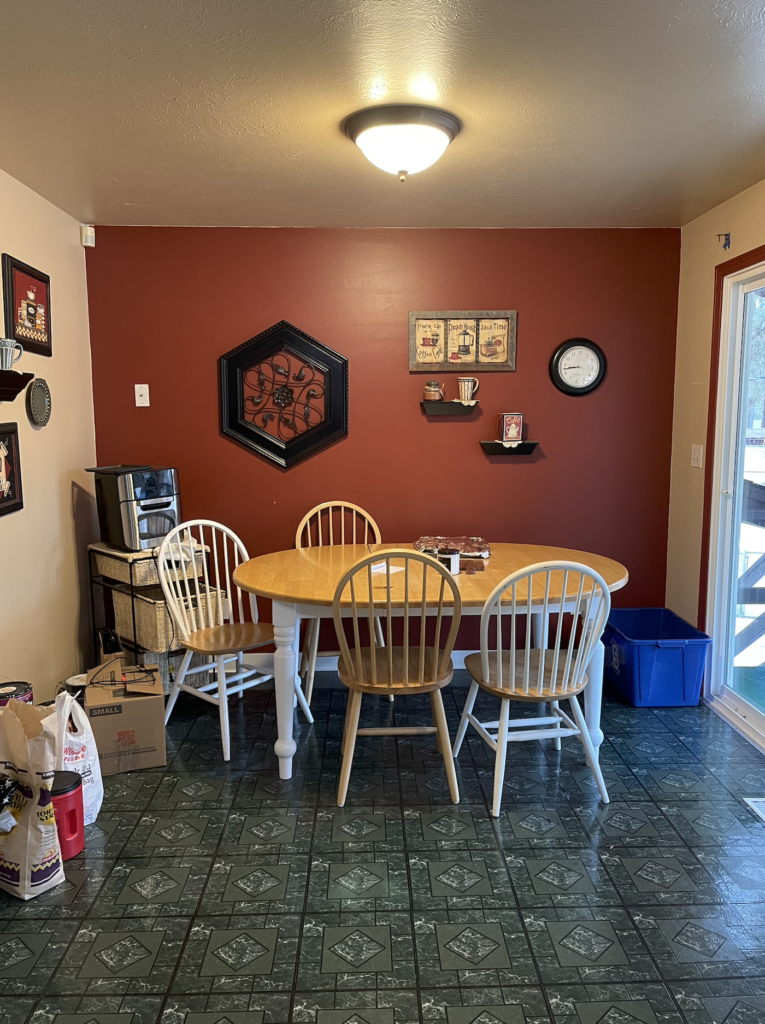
(593, 694)
(297, 661)
(286, 626)
(539, 635)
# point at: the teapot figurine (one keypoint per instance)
(433, 391)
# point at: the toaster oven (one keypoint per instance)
(137, 505)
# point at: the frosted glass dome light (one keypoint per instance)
(402, 139)
(402, 148)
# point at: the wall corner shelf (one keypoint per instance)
(497, 448)
(12, 383)
(444, 408)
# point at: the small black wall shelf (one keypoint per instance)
(497, 448)
(447, 408)
(12, 383)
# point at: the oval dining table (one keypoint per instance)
(301, 584)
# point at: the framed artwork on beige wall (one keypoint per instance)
(478, 340)
(26, 297)
(11, 499)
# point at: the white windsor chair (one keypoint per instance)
(332, 522)
(209, 612)
(545, 673)
(410, 591)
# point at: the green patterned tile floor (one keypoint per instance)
(221, 894)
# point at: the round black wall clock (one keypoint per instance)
(38, 402)
(578, 366)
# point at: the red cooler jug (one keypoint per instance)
(66, 796)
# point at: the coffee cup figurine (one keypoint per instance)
(433, 392)
(468, 387)
(7, 348)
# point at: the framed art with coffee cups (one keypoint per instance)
(11, 499)
(453, 340)
(26, 299)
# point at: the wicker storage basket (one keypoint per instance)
(154, 628)
(115, 565)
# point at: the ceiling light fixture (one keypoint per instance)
(401, 138)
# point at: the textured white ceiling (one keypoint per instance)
(589, 113)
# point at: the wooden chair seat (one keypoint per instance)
(395, 682)
(515, 692)
(230, 638)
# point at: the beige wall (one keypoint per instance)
(744, 217)
(43, 609)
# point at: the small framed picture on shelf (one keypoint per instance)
(460, 340)
(510, 426)
(11, 499)
(26, 298)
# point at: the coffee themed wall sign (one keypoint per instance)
(452, 340)
(26, 298)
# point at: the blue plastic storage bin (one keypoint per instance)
(654, 658)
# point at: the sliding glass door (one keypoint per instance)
(736, 600)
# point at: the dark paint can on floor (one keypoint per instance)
(15, 691)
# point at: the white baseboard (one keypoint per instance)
(330, 664)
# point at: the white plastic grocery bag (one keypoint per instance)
(30, 855)
(77, 752)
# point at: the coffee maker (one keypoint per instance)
(137, 505)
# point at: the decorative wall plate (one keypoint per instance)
(284, 394)
(39, 402)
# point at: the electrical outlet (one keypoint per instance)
(141, 394)
(697, 453)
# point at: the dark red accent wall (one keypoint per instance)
(165, 303)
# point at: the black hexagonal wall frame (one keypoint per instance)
(284, 394)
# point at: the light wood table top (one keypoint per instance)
(309, 576)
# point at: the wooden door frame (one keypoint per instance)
(722, 271)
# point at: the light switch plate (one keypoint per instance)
(697, 454)
(141, 394)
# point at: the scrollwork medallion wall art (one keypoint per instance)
(284, 394)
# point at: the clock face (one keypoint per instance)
(578, 366)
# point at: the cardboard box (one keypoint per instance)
(129, 728)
